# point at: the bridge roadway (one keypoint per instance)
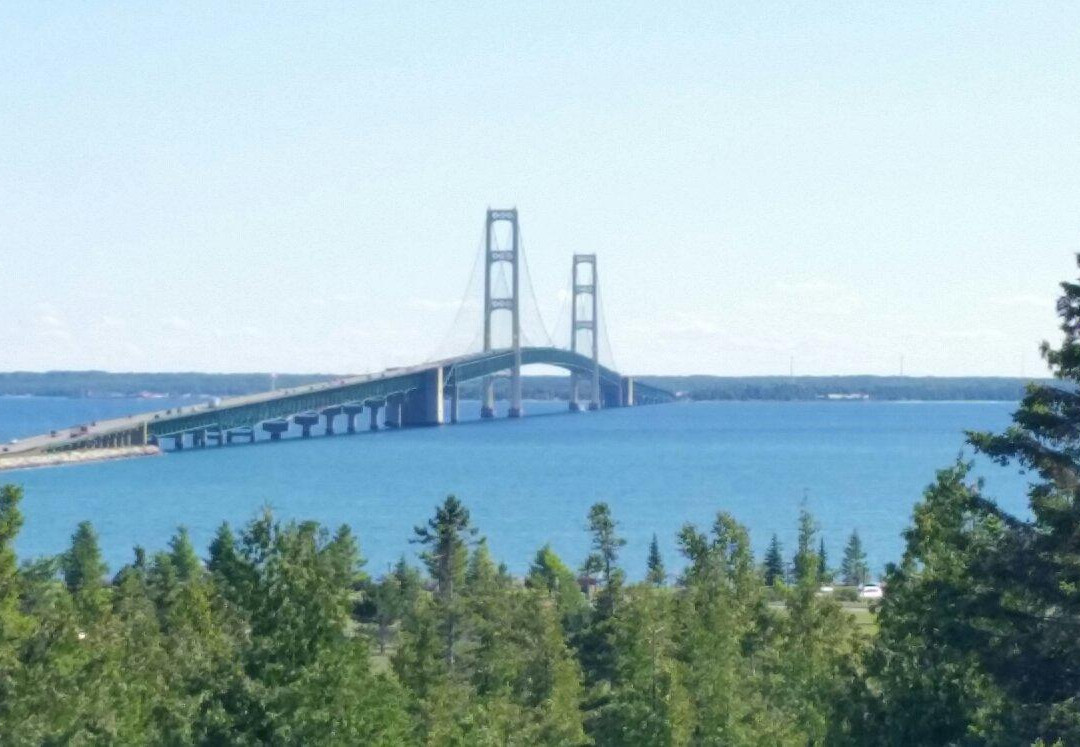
(414, 395)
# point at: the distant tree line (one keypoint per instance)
(782, 388)
(888, 388)
(105, 384)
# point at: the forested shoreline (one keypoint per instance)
(703, 388)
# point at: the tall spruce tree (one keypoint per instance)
(774, 562)
(805, 562)
(445, 539)
(824, 574)
(853, 568)
(656, 574)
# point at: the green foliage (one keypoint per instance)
(773, 567)
(978, 625)
(548, 572)
(806, 564)
(605, 543)
(656, 574)
(853, 568)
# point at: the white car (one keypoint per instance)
(871, 591)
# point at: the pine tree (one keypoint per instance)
(183, 557)
(605, 543)
(824, 574)
(853, 568)
(774, 562)
(595, 647)
(82, 564)
(14, 623)
(805, 563)
(445, 539)
(926, 655)
(394, 595)
(84, 574)
(656, 574)
(1012, 584)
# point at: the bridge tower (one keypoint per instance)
(493, 255)
(585, 287)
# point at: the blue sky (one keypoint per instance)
(301, 187)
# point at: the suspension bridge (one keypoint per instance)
(426, 394)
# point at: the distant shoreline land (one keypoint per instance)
(101, 384)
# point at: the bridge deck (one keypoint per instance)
(249, 410)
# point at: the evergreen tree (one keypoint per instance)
(183, 557)
(774, 562)
(649, 704)
(853, 568)
(720, 624)
(83, 568)
(824, 574)
(656, 574)
(394, 595)
(84, 574)
(925, 657)
(445, 539)
(15, 625)
(605, 543)
(595, 647)
(805, 563)
(550, 574)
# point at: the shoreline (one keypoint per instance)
(36, 461)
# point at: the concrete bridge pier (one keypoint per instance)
(330, 413)
(425, 406)
(627, 391)
(246, 431)
(394, 404)
(373, 408)
(198, 438)
(351, 411)
(218, 437)
(305, 420)
(178, 441)
(455, 399)
(487, 408)
(575, 402)
(275, 428)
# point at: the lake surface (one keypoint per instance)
(861, 465)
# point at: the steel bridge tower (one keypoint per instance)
(585, 287)
(511, 256)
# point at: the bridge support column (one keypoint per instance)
(305, 420)
(575, 400)
(392, 419)
(351, 411)
(373, 408)
(425, 406)
(178, 442)
(330, 413)
(487, 400)
(627, 391)
(218, 437)
(455, 397)
(275, 428)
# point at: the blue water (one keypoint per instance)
(860, 465)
